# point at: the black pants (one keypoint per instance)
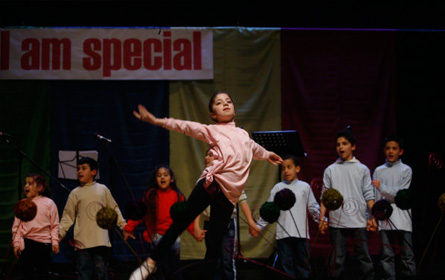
(35, 260)
(220, 213)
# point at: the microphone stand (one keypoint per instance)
(24, 155)
(113, 162)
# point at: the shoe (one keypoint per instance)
(142, 272)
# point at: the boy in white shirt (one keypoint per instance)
(92, 243)
(389, 178)
(353, 180)
(292, 229)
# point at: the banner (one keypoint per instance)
(101, 53)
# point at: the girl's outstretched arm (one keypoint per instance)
(144, 115)
(274, 159)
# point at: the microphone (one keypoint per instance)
(100, 137)
(5, 134)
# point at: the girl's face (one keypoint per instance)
(208, 159)
(163, 178)
(223, 110)
(392, 151)
(345, 149)
(289, 170)
(31, 189)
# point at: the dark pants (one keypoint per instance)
(35, 260)
(404, 241)
(170, 266)
(221, 212)
(337, 260)
(92, 263)
(225, 268)
(294, 258)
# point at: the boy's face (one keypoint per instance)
(289, 170)
(344, 149)
(163, 178)
(223, 110)
(392, 151)
(85, 174)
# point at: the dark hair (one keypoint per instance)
(347, 134)
(40, 180)
(91, 163)
(396, 138)
(293, 158)
(212, 99)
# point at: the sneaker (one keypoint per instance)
(142, 272)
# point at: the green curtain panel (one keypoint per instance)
(25, 116)
(247, 66)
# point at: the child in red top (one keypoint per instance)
(161, 194)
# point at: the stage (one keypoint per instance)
(255, 269)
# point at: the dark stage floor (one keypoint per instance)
(257, 269)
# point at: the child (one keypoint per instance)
(225, 268)
(292, 229)
(92, 243)
(34, 240)
(220, 185)
(389, 178)
(161, 194)
(352, 179)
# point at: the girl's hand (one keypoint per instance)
(17, 252)
(55, 249)
(274, 158)
(199, 234)
(144, 115)
(127, 235)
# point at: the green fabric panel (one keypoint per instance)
(24, 114)
(247, 66)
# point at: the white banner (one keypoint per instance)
(102, 53)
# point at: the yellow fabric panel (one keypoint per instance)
(247, 66)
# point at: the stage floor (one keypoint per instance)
(257, 269)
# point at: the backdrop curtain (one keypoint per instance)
(247, 67)
(25, 115)
(332, 79)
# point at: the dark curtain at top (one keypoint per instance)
(82, 109)
(332, 79)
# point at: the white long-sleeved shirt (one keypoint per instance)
(81, 208)
(353, 180)
(233, 151)
(394, 177)
(293, 222)
(44, 228)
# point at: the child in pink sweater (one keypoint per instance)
(220, 185)
(34, 240)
